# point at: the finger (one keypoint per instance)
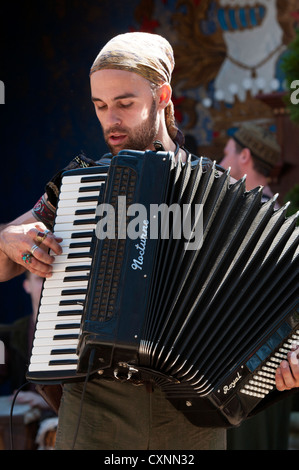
(38, 268)
(42, 255)
(36, 233)
(280, 385)
(287, 375)
(42, 234)
(294, 364)
(38, 261)
(52, 242)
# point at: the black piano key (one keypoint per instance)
(75, 278)
(82, 234)
(72, 269)
(79, 255)
(57, 352)
(66, 313)
(80, 245)
(74, 292)
(69, 326)
(84, 221)
(63, 362)
(89, 189)
(71, 302)
(65, 337)
(93, 179)
(87, 199)
(85, 211)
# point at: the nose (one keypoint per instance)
(112, 118)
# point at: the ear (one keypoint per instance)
(245, 156)
(164, 95)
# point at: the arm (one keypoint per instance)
(287, 374)
(17, 238)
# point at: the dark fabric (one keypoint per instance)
(268, 430)
(17, 348)
(122, 416)
(53, 186)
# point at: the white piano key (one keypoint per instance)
(69, 241)
(77, 180)
(58, 291)
(66, 187)
(53, 325)
(44, 358)
(56, 283)
(76, 265)
(66, 210)
(67, 234)
(69, 203)
(48, 308)
(51, 333)
(52, 300)
(52, 316)
(71, 218)
(74, 195)
(67, 250)
(46, 367)
(66, 260)
(70, 227)
(62, 277)
(49, 341)
(53, 349)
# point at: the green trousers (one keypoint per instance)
(122, 416)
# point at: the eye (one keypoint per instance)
(125, 105)
(100, 108)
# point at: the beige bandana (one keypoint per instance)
(148, 55)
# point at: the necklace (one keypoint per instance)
(254, 68)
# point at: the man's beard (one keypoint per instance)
(140, 138)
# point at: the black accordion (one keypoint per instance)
(171, 274)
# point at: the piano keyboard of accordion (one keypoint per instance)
(54, 353)
(210, 323)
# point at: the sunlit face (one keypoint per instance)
(126, 108)
(232, 159)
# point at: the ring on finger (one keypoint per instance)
(42, 235)
(27, 258)
(33, 249)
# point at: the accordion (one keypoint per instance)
(187, 281)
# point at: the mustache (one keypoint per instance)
(115, 130)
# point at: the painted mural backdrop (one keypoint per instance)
(227, 52)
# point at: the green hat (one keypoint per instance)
(261, 143)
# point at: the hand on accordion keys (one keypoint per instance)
(26, 243)
(287, 374)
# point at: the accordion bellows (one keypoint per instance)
(191, 319)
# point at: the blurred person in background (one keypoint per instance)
(18, 344)
(253, 151)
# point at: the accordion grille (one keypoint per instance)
(113, 249)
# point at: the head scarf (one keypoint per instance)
(148, 55)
